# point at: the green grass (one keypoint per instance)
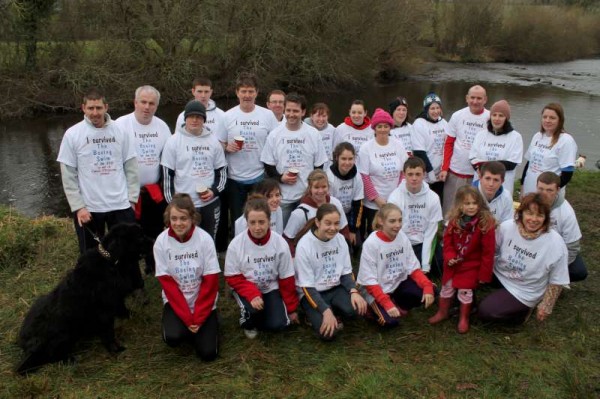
(559, 358)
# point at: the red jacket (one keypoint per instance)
(477, 260)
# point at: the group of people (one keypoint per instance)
(301, 197)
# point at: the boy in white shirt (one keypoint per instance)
(490, 185)
(422, 213)
(563, 220)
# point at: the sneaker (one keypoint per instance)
(251, 334)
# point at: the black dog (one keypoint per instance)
(86, 301)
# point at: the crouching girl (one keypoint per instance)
(258, 267)
(324, 275)
(188, 271)
(390, 272)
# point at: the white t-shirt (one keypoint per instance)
(386, 264)
(543, 158)
(254, 127)
(186, 262)
(327, 138)
(421, 214)
(384, 165)
(346, 190)
(301, 149)
(464, 126)
(194, 160)
(263, 265)
(149, 141)
(298, 217)
(98, 154)
(357, 138)
(320, 264)
(430, 137)
(276, 222)
(526, 267)
(506, 147)
(215, 119)
(501, 206)
(404, 134)
(564, 221)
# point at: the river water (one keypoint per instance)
(30, 175)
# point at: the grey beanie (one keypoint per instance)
(194, 107)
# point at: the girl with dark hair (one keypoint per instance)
(259, 269)
(346, 185)
(324, 275)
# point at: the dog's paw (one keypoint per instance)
(114, 347)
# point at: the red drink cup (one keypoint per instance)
(293, 172)
(201, 189)
(239, 140)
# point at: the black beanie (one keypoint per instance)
(194, 107)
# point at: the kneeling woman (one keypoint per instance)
(531, 265)
(390, 272)
(188, 271)
(324, 275)
(259, 268)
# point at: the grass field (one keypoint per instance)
(559, 358)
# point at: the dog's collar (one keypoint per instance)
(103, 251)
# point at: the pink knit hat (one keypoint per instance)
(502, 107)
(380, 116)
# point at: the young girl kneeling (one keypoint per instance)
(324, 275)
(259, 268)
(469, 245)
(389, 270)
(188, 271)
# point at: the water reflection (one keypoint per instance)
(30, 175)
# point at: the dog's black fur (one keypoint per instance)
(86, 301)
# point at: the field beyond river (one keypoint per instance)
(559, 358)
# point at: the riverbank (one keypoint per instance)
(48, 59)
(555, 359)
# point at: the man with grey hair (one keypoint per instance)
(149, 135)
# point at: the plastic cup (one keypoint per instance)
(239, 140)
(201, 189)
(293, 172)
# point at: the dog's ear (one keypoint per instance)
(115, 240)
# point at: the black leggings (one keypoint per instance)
(273, 317)
(204, 341)
(339, 301)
